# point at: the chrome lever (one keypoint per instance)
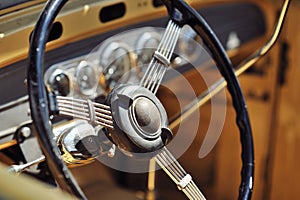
(20, 168)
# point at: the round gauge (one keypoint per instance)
(59, 82)
(146, 44)
(189, 42)
(117, 61)
(86, 78)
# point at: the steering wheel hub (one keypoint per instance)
(140, 120)
(147, 115)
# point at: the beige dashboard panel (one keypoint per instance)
(78, 18)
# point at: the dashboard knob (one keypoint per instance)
(60, 84)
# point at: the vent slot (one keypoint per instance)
(55, 32)
(157, 3)
(112, 12)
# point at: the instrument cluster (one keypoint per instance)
(121, 58)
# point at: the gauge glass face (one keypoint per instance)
(58, 81)
(86, 78)
(61, 84)
(117, 70)
(148, 50)
(188, 44)
(146, 45)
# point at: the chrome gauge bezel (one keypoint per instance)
(189, 38)
(142, 48)
(91, 91)
(60, 68)
(107, 57)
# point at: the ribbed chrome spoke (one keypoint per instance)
(173, 169)
(161, 58)
(95, 113)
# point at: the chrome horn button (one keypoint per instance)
(146, 115)
(140, 120)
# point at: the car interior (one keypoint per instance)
(149, 99)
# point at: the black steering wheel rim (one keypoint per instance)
(181, 14)
(38, 98)
(189, 16)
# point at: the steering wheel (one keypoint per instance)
(133, 117)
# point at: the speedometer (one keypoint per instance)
(146, 45)
(188, 44)
(117, 60)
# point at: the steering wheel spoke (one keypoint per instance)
(93, 112)
(161, 58)
(175, 171)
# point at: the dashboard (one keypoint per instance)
(79, 62)
(119, 59)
